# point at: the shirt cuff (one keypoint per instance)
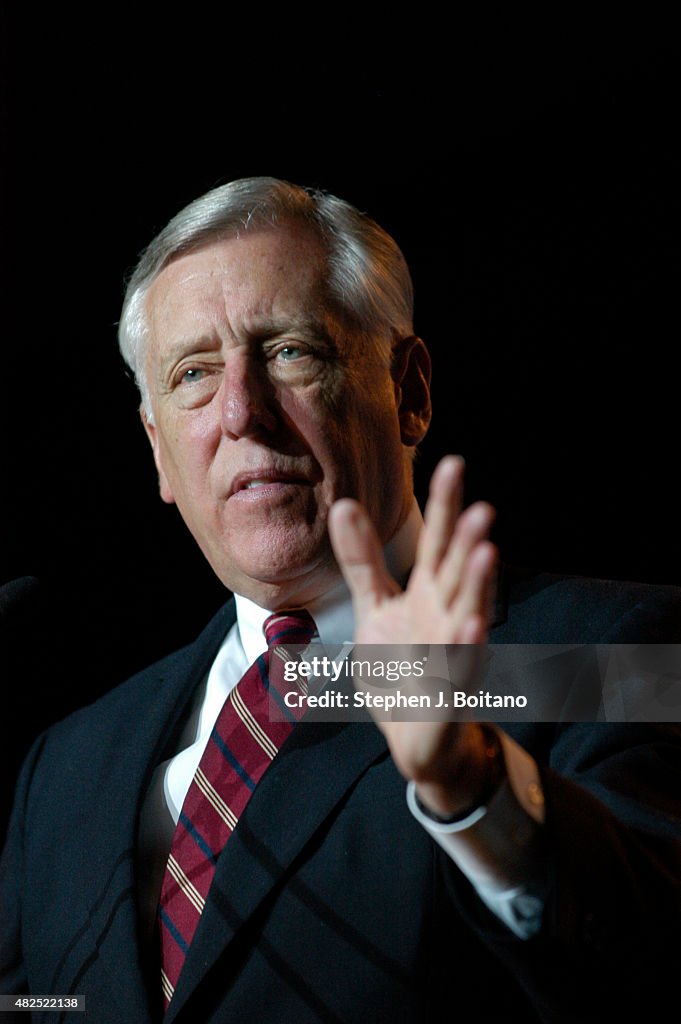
(497, 846)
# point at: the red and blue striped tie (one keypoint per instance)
(242, 745)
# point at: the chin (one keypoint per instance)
(268, 573)
(290, 593)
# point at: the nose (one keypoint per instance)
(248, 399)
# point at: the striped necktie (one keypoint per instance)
(241, 746)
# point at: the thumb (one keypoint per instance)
(359, 555)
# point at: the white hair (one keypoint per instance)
(368, 276)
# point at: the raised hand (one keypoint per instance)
(447, 601)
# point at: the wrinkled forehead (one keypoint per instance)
(263, 272)
(281, 252)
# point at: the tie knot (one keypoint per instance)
(289, 627)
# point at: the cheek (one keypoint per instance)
(312, 414)
(187, 447)
(374, 439)
(359, 446)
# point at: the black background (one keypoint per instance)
(531, 175)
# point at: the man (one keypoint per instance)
(401, 873)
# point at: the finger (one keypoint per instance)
(475, 598)
(359, 554)
(473, 630)
(472, 528)
(441, 513)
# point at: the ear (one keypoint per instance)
(152, 434)
(411, 375)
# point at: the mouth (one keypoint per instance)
(265, 480)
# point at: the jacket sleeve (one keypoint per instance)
(13, 978)
(611, 928)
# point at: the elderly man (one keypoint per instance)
(175, 852)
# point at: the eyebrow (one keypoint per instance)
(189, 346)
(261, 331)
(306, 323)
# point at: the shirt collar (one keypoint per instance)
(332, 612)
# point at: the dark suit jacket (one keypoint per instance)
(330, 902)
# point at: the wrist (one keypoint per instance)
(489, 771)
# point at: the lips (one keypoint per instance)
(258, 478)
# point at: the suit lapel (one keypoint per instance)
(314, 769)
(310, 775)
(154, 714)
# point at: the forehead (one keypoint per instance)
(264, 272)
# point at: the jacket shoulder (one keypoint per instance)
(163, 683)
(540, 607)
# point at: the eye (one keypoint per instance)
(290, 352)
(191, 375)
(293, 362)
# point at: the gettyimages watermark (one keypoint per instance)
(463, 682)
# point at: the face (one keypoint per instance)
(266, 410)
